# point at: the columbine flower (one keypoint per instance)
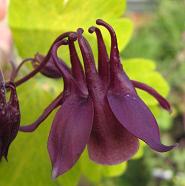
(98, 108)
(9, 117)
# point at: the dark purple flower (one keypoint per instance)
(98, 108)
(124, 102)
(9, 117)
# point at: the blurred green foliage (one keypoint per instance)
(162, 39)
(34, 25)
(31, 20)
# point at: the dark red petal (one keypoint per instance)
(70, 133)
(103, 58)
(134, 115)
(76, 66)
(162, 101)
(67, 76)
(110, 143)
(87, 55)
(114, 55)
(55, 103)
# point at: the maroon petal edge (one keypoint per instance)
(70, 133)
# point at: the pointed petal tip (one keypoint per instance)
(55, 173)
(167, 108)
(65, 147)
(135, 116)
(176, 145)
(165, 105)
(163, 148)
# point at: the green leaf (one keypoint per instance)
(164, 120)
(115, 170)
(92, 171)
(140, 152)
(57, 13)
(144, 70)
(34, 31)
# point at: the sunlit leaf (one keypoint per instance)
(34, 31)
(115, 170)
(140, 152)
(90, 170)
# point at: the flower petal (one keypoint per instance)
(76, 66)
(70, 133)
(110, 143)
(134, 115)
(103, 58)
